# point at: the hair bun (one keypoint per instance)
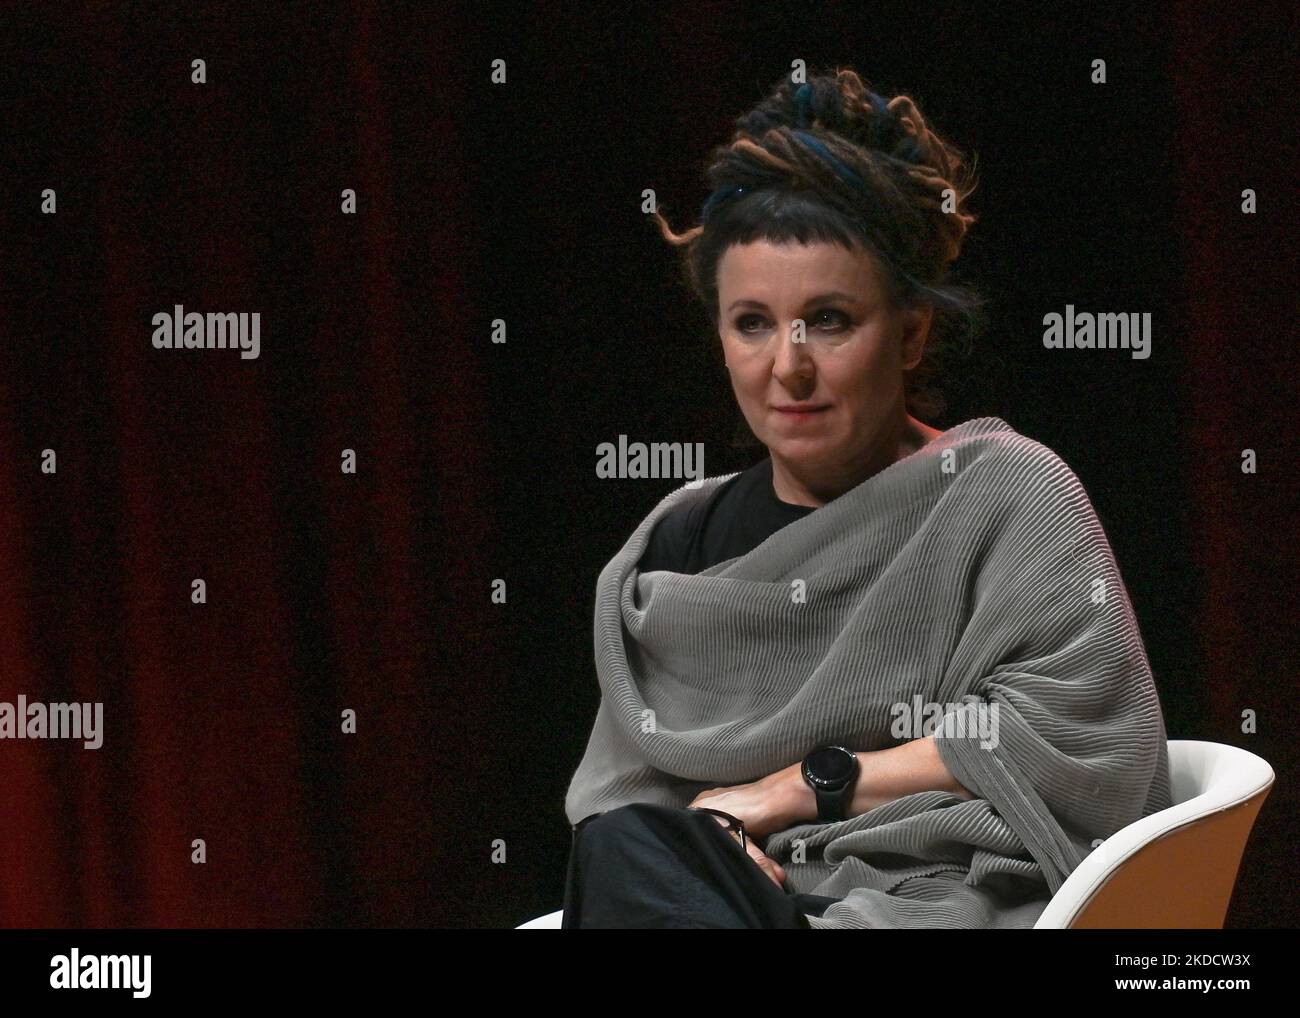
(840, 102)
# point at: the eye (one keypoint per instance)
(828, 320)
(838, 319)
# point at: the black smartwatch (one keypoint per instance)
(832, 773)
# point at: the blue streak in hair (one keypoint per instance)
(717, 197)
(841, 170)
(804, 98)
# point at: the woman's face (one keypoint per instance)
(848, 371)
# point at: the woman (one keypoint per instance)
(889, 676)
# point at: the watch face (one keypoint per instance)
(830, 766)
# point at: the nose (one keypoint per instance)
(793, 365)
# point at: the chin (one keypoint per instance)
(801, 450)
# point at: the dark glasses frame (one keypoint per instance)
(734, 824)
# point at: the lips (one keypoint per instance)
(801, 409)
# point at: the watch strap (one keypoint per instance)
(831, 806)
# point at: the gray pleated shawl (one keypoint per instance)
(971, 573)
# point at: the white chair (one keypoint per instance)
(550, 921)
(1172, 870)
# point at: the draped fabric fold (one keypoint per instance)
(966, 592)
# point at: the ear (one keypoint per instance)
(916, 332)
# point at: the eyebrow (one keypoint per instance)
(820, 298)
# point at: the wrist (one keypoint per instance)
(800, 799)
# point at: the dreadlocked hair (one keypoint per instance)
(828, 160)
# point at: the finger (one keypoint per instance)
(768, 865)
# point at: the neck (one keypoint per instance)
(795, 483)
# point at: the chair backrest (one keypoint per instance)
(1174, 869)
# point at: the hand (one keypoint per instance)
(765, 806)
(766, 863)
(769, 865)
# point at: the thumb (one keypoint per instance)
(767, 864)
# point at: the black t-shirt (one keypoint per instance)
(736, 519)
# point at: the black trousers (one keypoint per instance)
(646, 866)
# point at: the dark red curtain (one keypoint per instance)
(326, 591)
(372, 591)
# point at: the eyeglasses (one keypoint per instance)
(733, 824)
